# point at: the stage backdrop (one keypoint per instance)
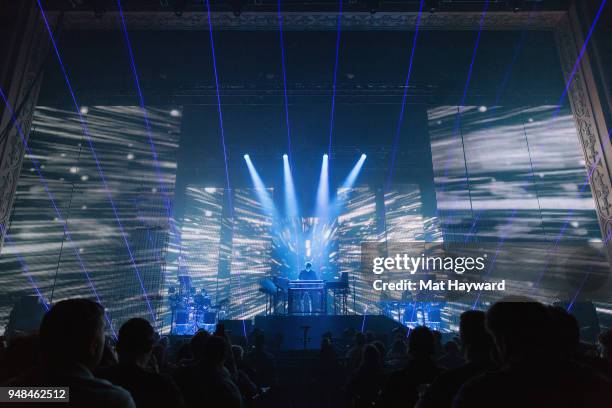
(39, 255)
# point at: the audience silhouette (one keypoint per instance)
(519, 353)
(135, 347)
(536, 368)
(477, 346)
(71, 344)
(403, 386)
(261, 363)
(207, 382)
(364, 385)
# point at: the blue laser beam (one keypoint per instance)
(53, 203)
(500, 91)
(220, 111)
(462, 102)
(284, 69)
(589, 174)
(580, 56)
(223, 145)
(95, 156)
(404, 97)
(333, 104)
(517, 51)
(141, 100)
(554, 115)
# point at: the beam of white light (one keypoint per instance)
(322, 209)
(348, 183)
(352, 177)
(260, 189)
(291, 206)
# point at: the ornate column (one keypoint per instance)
(589, 118)
(20, 82)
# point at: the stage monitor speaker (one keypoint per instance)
(588, 322)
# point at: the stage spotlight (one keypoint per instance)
(260, 189)
(352, 177)
(84, 110)
(291, 207)
(482, 109)
(322, 208)
(175, 113)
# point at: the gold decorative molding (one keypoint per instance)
(590, 135)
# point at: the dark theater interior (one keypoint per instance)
(306, 203)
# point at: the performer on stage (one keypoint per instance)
(307, 298)
(307, 273)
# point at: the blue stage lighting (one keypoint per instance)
(260, 189)
(322, 209)
(352, 177)
(291, 206)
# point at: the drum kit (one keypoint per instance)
(193, 311)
